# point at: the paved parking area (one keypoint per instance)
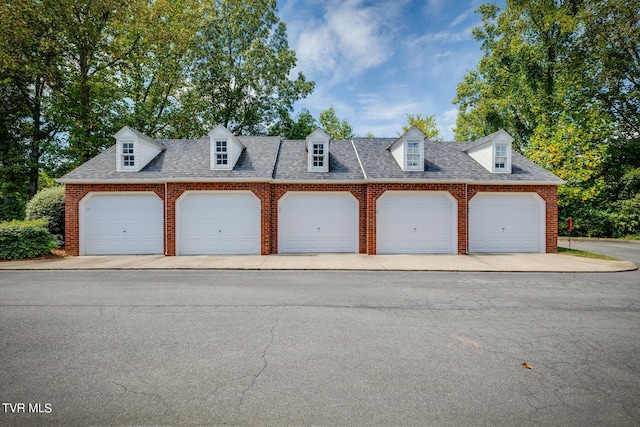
(219, 347)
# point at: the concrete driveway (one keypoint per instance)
(498, 262)
(219, 347)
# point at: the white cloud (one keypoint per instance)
(348, 38)
(462, 17)
(447, 121)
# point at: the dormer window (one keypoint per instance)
(408, 150)
(317, 147)
(493, 152)
(134, 150)
(225, 149)
(222, 154)
(412, 155)
(128, 156)
(318, 154)
(500, 158)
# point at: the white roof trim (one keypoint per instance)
(305, 181)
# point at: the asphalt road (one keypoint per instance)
(322, 348)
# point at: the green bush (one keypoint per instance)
(12, 207)
(49, 204)
(25, 239)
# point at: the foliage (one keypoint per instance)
(25, 239)
(242, 67)
(335, 127)
(74, 72)
(153, 78)
(426, 124)
(300, 128)
(562, 78)
(48, 204)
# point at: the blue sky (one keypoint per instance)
(376, 61)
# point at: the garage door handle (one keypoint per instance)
(318, 229)
(415, 229)
(124, 231)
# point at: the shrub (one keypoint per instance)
(49, 204)
(12, 207)
(25, 239)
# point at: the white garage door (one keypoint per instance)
(218, 223)
(130, 224)
(318, 222)
(416, 222)
(506, 222)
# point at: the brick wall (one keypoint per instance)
(269, 195)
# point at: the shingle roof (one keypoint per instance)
(444, 161)
(292, 162)
(268, 158)
(185, 159)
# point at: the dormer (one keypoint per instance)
(493, 152)
(317, 145)
(225, 148)
(408, 150)
(134, 150)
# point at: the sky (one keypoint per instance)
(376, 61)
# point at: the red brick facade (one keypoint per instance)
(269, 195)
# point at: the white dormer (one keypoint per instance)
(317, 144)
(134, 150)
(493, 152)
(225, 148)
(408, 150)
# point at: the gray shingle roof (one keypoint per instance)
(267, 158)
(292, 163)
(185, 159)
(444, 161)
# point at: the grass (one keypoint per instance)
(585, 254)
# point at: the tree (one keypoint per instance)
(93, 38)
(562, 77)
(426, 124)
(335, 127)
(29, 57)
(241, 71)
(299, 128)
(154, 75)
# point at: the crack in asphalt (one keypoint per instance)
(167, 408)
(263, 358)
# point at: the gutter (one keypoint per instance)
(306, 181)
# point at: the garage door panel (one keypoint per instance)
(506, 222)
(122, 224)
(218, 223)
(416, 222)
(318, 222)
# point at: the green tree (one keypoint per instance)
(154, 75)
(242, 67)
(94, 39)
(426, 124)
(335, 127)
(298, 128)
(29, 58)
(561, 77)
